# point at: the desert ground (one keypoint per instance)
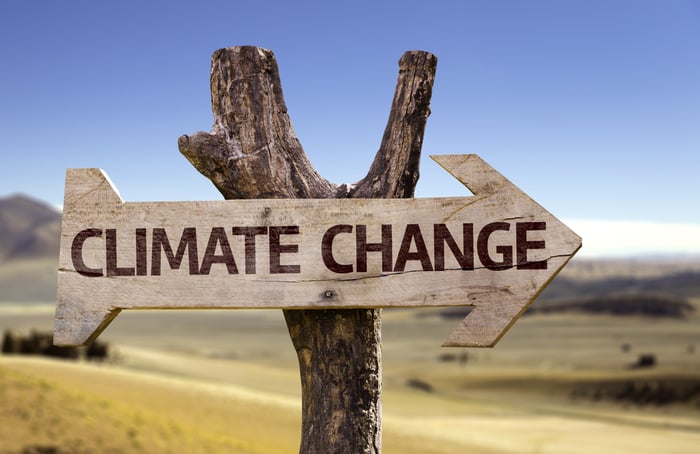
(227, 381)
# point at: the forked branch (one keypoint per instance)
(252, 152)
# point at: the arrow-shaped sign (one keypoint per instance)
(495, 251)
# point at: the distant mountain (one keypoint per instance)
(29, 243)
(651, 287)
(654, 288)
(29, 229)
(642, 304)
(681, 283)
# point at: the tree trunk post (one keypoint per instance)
(253, 152)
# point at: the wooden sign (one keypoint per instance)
(495, 251)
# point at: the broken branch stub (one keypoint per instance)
(395, 169)
(252, 151)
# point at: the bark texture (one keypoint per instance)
(253, 152)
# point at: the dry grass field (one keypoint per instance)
(227, 381)
(211, 381)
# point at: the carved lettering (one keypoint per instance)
(327, 249)
(218, 237)
(412, 235)
(496, 246)
(276, 249)
(188, 241)
(76, 253)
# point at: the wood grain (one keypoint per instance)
(301, 278)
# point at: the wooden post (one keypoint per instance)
(252, 153)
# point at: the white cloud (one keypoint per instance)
(634, 238)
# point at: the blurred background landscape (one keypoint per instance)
(608, 358)
(590, 107)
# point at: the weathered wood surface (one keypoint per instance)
(314, 259)
(252, 150)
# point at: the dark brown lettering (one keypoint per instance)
(76, 253)
(522, 245)
(411, 235)
(249, 234)
(218, 237)
(362, 247)
(327, 249)
(188, 241)
(111, 250)
(511, 250)
(482, 247)
(442, 236)
(276, 249)
(141, 253)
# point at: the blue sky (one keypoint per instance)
(591, 107)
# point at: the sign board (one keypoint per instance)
(495, 251)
